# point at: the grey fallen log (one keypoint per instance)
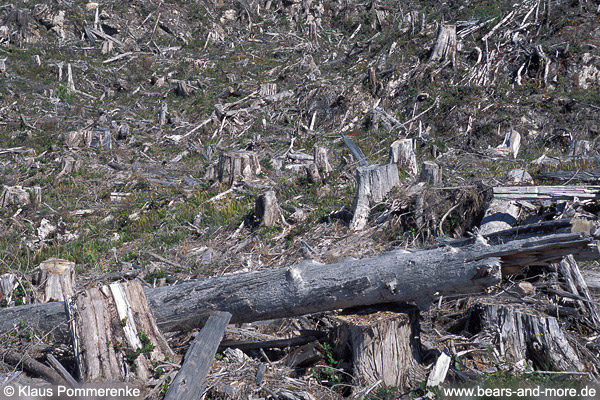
(189, 382)
(583, 176)
(547, 192)
(310, 287)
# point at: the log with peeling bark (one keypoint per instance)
(374, 183)
(114, 335)
(383, 345)
(310, 287)
(55, 280)
(531, 193)
(519, 334)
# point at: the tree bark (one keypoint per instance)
(311, 287)
(500, 215)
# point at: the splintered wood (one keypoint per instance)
(114, 334)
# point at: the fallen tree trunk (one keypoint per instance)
(547, 192)
(311, 287)
(583, 176)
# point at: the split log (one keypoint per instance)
(439, 371)
(189, 382)
(113, 333)
(266, 209)
(570, 176)
(431, 173)
(55, 280)
(311, 287)
(403, 154)
(374, 183)
(384, 345)
(444, 47)
(237, 166)
(547, 192)
(521, 335)
(322, 159)
(14, 195)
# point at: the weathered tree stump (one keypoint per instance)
(182, 89)
(580, 148)
(114, 335)
(509, 146)
(520, 335)
(55, 280)
(8, 284)
(237, 166)
(444, 47)
(82, 138)
(14, 195)
(322, 159)
(431, 173)
(374, 183)
(69, 165)
(403, 154)
(163, 114)
(383, 345)
(267, 89)
(266, 209)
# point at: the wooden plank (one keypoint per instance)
(547, 192)
(189, 382)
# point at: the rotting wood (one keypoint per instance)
(547, 192)
(189, 382)
(114, 335)
(31, 365)
(374, 183)
(55, 280)
(310, 287)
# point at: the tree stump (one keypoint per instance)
(267, 89)
(76, 139)
(383, 345)
(14, 195)
(322, 159)
(55, 280)
(114, 335)
(163, 114)
(266, 209)
(69, 165)
(374, 183)
(237, 166)
(520, 335)
(431, 173)
(580, 148)
(509, 146)
(403, 154)
(444, 47)
(8, 284)
(312, 174)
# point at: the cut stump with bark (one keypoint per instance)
(55, 280)
(403, 154)
(114, 335)
(374, 183)
(383, 345)
(237, 166)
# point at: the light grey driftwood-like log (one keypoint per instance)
(520, 335)
(439, 371)
(189, 382)
(547, 192)
(55, 280)
(500, 215)
(311, 287)
(403, 154)
(582, 176)
(374, 183)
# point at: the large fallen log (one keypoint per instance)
(547, 192)
(310, 287)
